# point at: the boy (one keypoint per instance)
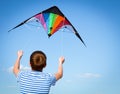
(36, 81)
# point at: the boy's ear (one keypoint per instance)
(30, 64)
(44, 66)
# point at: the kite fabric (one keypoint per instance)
(52, 19)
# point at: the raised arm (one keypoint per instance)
(16, 67)
(59, 73)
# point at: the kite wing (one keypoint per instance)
(52, 20)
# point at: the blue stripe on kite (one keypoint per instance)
(46, 19)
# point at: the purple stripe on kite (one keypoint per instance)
(41, 18)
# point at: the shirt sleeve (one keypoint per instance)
(52, 79)
(19, 76)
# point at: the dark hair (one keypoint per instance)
(38, 60)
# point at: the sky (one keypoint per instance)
(87, 70)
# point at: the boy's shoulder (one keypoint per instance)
(35, 73)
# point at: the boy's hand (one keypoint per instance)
(16, 67)
(20, 53)
(61, 60)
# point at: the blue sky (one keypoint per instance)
(87, 70)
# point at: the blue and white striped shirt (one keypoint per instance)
(34, 82)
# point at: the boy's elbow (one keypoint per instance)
(61, 75)
(15, 71)
(58, 76)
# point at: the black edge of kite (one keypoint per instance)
(54, 10)
(19, 25)
(76, 33)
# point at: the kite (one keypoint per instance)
(52, 19)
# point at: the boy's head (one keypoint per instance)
(38, 60)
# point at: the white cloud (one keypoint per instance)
(10, 69)
(89, 75)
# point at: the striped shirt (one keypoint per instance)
(34, 82)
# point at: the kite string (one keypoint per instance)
(28, 41)
(61, 43)
(62, 37)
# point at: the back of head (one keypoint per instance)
(38, 60)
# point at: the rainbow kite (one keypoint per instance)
(52, 20)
